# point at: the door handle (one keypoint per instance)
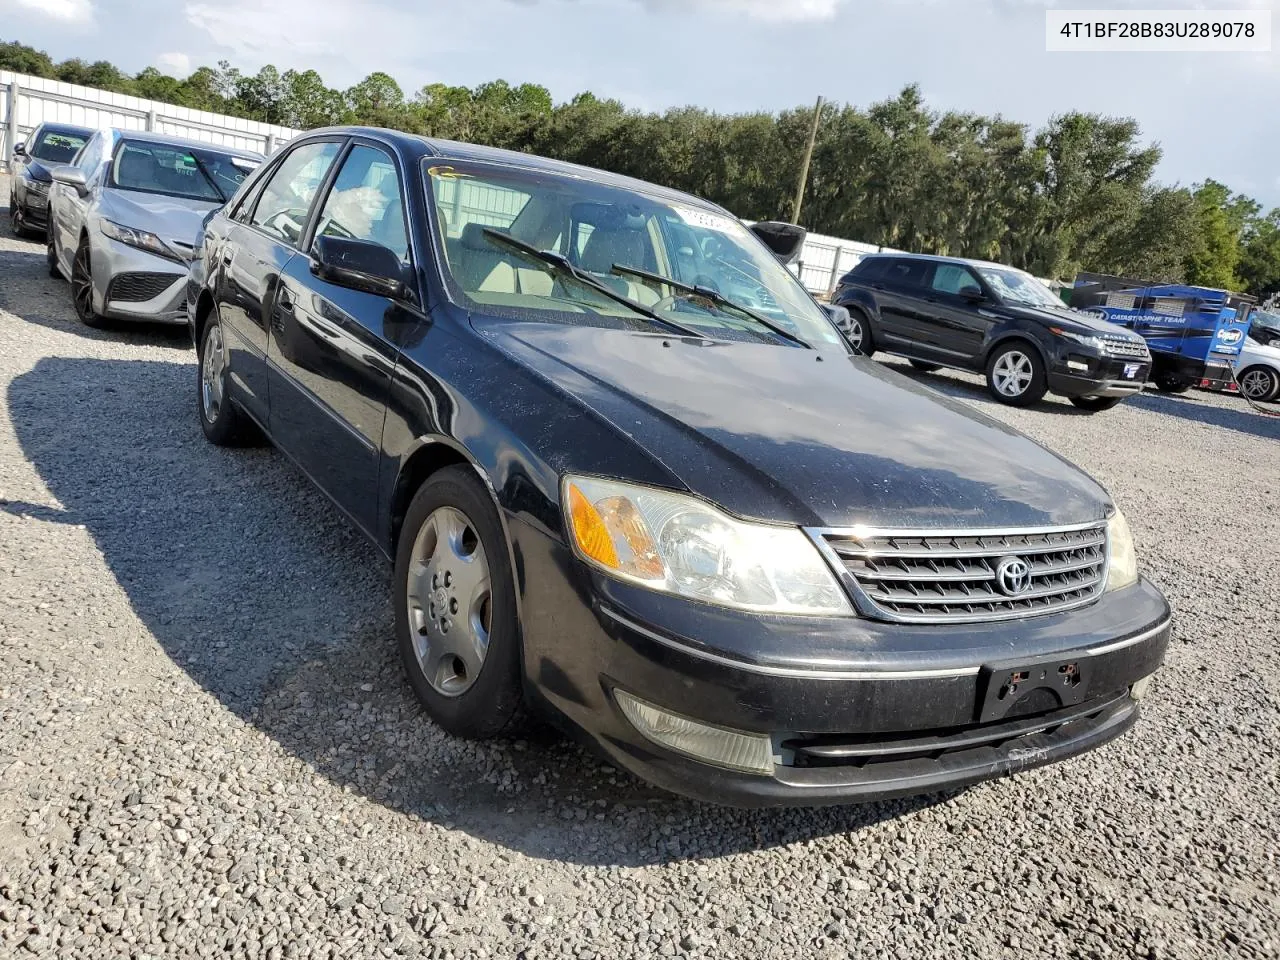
(227, 256)
(284, 300)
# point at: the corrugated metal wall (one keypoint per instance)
(26, 102)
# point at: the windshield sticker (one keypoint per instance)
(448, 173)
(707, 220)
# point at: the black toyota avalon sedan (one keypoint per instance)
(631, 477)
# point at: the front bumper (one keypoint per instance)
(857, 709)
(121, 295)
(1102, 376)
(33, 207)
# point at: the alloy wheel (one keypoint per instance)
(1257, 384)
(82, 283)
(449, 594)
(1012, 373)
(213, 367)
(856, 335)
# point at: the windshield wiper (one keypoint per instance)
(208, 176)
(561, 264)
(714, 296)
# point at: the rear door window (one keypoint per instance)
(907, 274)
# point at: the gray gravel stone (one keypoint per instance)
(207, 747)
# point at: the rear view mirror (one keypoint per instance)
(72, 177)
(786, 240)
(359, 265)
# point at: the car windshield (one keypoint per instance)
(195, 174)
(1014, 286)
(57, 147)
(597, 227)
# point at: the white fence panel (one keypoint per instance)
(26, 102)
(824, 260)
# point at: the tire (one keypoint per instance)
(51, 257)
(924, 367)
(1168, 383)
(859, 333)
(1258, 383)
(1095, 404)
(82, 287)
(223, 424)
(15, 220)
(1016, 374)
(468, 678)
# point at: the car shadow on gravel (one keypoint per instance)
(1242, 418)
(256, 588)
(950, 383)
(27, 281)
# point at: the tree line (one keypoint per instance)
(1076, 194)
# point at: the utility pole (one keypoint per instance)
(808, 158)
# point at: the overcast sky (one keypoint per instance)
(1216, 115)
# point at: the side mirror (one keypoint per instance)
(839, 316)
(72, 177)
(359, 265)
(19, 149)
(972, 294)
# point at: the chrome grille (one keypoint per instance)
(1118, 346)
(927, 577)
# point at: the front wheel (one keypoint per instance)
(1095, 404)
(51, 257)
(859, 333)
(1259, 384)
(455, 608)
(15, 216)
(222, 423)
(1016, 375)
(82, 287)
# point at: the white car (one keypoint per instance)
(1258, 370)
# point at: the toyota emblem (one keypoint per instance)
(1013, 576)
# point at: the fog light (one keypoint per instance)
(1140, 689)
(1077, 365)
(745, 752)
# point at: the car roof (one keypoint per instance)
(67, 128)
(939, 258)
(167, 140)
(527, 162)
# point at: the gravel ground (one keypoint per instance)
(207, 746)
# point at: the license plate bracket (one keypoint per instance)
(1006, 683)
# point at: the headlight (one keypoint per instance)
(678, 544)
(140, 239)
(37, 186)
(1095, 343)
(1122, 568)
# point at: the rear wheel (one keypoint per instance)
(1259, 384)
(82, 287)
(859, 333)
(1095, 404)
(455, 608)
(1016, 375)
(926, 367)
(1169, 383)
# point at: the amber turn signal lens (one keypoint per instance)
(589, 530)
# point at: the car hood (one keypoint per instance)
(175, 220)
(806, 437)
(39, 170)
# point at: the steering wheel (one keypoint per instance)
(673, 302)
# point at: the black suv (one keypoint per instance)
(947, 312)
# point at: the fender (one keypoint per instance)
(1004, 336)
(861, 298)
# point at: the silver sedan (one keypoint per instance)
(123, 219)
